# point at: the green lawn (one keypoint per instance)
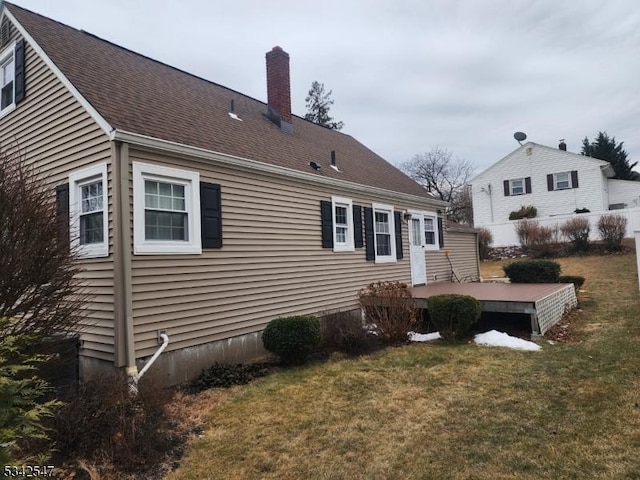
(434, 411)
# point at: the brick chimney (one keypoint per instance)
(278, 84)
(562, 146)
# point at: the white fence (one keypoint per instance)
(504, 234)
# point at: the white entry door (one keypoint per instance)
(416, 247)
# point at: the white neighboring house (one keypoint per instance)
(556, 182)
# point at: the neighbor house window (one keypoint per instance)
(384, 233)
(561, 180)
(342, 224)
(7, 79)
(88, 208)
(166, 210)
(517, 186)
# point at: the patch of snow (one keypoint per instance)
(494, 338)
(424, 337)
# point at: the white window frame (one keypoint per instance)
(191, 181)
(76, 181)
(436, 234)
(349, 244)
(9, 52)
(511, 188)
(380, 207)
(555, 181)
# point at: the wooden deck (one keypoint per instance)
(546, 303)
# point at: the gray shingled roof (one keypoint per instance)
(136, 94)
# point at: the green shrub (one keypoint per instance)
(390, 308)
(533, 271)
(525, 212)
(577, 231)
(23, 434)
(453, 315)
(582, 210)
(221, 375)
(612, 228)
(485, 239)
(577, 280)
(292, 338)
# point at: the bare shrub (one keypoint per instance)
(102, 422)
(344, 331)
(612, 228)
(577, 232)
(526, 229)
(485, 239)
(39, 288)
(390, 307)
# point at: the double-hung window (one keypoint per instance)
(343, 233)
(7, 79)
(430, 231)
(88, 207)
(562, 181)
(166, 210)
(517, 186)
(384, 233)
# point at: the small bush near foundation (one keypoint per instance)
(533, 271)
(577, 280)
(104, 424)
(612, 228)
(389, 306)
(453, 315)
(525, 212)
(345, 332)
(485, 239)
(577, 231)
(292, 338)
(221, 375)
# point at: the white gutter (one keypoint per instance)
(134, 379)
(181, 149)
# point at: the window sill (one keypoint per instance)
(7, 110)
(389, 259)
(93, 251)
(344, 248)
(163, 248)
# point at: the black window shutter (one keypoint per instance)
(574, 179)
(326, 216)
(527, 185)
(550, 182)
(440, 232)
(506, 188)
(19, 71)
(211, 215)
(357, 226)
(397, 220)
(62, 212)
(368, 234)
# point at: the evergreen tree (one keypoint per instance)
(605, 148)
(318, 104)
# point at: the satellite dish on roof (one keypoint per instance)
(520, 137)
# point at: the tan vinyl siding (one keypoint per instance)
(58, 136)
(462, 250)
(271, 263)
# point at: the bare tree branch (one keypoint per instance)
(445, 177)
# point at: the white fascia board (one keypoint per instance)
(181, 149)
(99, 119)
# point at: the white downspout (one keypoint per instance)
(134, 379)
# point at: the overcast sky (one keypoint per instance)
(407, 75)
